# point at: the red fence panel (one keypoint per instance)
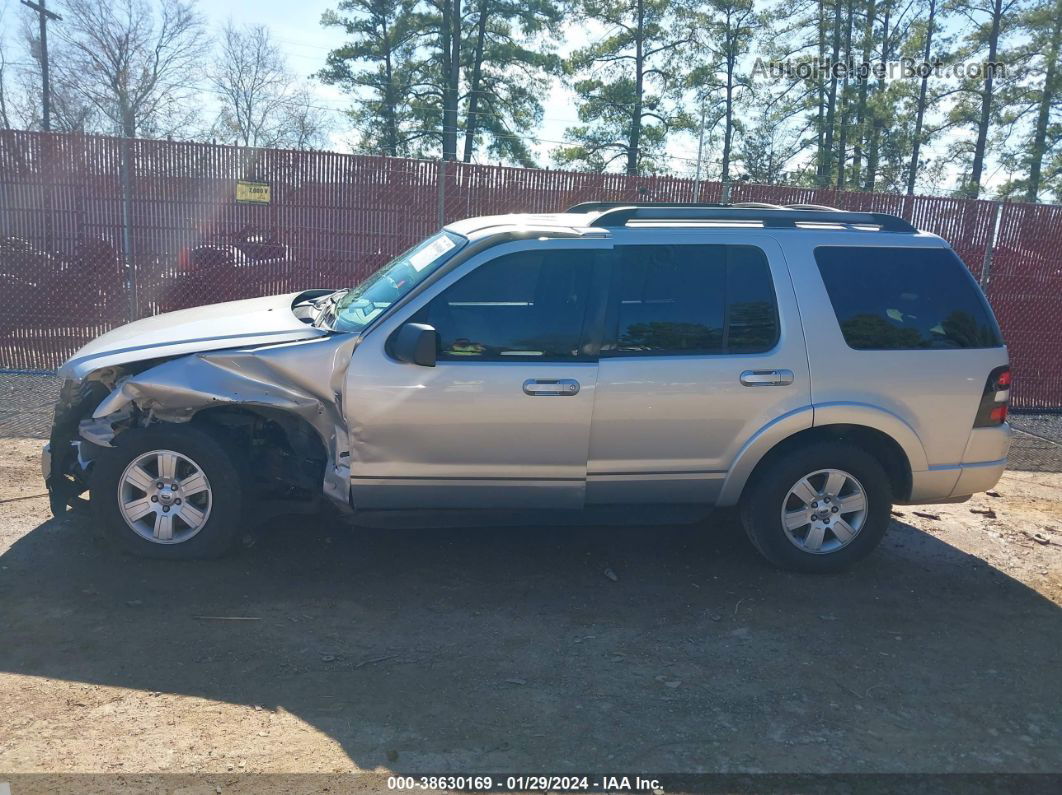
(1025, 289)
(333, 218)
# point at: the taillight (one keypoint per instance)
(994, 401)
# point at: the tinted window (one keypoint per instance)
(528, 305)
(905, 299)
(670, 300)
(752, 319)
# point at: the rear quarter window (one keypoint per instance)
(905, 299)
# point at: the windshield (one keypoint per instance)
(354, 309)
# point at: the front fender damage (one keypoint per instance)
(302, 378)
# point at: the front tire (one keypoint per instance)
(168, 491)
(817, 509)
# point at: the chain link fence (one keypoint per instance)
(95, 231)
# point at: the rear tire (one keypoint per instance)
(817, 509)
(169, 492)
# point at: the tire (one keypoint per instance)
(214, 505)
(826, 543)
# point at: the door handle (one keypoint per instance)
(559, 387)
(767, 377)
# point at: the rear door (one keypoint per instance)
(702, 348)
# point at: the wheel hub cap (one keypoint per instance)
(164, 497)
(824, 511)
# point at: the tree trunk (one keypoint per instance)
(831, 106)
(728, 132)
(451, 41)
(820, 158)
(875, 133)
(639, 77)
(1047, 98)
(5, 123)
(864, 84)
(842, 144)
(920, 112)
(390, 108)
(974, 188)
(473, 89)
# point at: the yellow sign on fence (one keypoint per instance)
(252, 192)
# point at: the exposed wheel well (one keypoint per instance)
(282, 452)
(880, 445)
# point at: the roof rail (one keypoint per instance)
(596, 207)
(781, 217)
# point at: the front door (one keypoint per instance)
(702, 349)
(503, 419)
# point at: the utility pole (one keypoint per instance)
(700, 152)
(43, 15)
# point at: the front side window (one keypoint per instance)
(526, 306)
(690, 299)
(905, 298)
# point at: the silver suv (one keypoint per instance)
(809, 365)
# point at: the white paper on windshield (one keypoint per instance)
(431, 252)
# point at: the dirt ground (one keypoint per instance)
(502, 649)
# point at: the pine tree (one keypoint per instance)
(508, 57)
(730, 26)
(380, 68)
(629, 85)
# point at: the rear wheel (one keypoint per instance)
(817, 509)
(168, 492)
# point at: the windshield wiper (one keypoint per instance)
(324, 307)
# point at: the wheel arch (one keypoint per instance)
(882, 434)
(303, 451)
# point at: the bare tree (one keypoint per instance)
(262, 103)
(252, 82)
(304, 125)
(5, 119)
(71, 111)
(134, 60)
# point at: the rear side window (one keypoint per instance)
(687, 299)
(905, 299)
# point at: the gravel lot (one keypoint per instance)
(502, 649)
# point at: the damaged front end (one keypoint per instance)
(277, 406)
(65, 465)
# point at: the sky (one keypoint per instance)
(297, 30)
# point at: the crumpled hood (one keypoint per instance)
(253, 321)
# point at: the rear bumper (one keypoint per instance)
(940, 484)
(978, 477)
(981, 468)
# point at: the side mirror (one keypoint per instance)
(415, 343)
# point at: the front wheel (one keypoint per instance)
(168, 492)
(817, 509)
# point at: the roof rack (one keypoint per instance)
(613, 214)
(596, 207)
(771, 217)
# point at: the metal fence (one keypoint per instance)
(87, 244)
